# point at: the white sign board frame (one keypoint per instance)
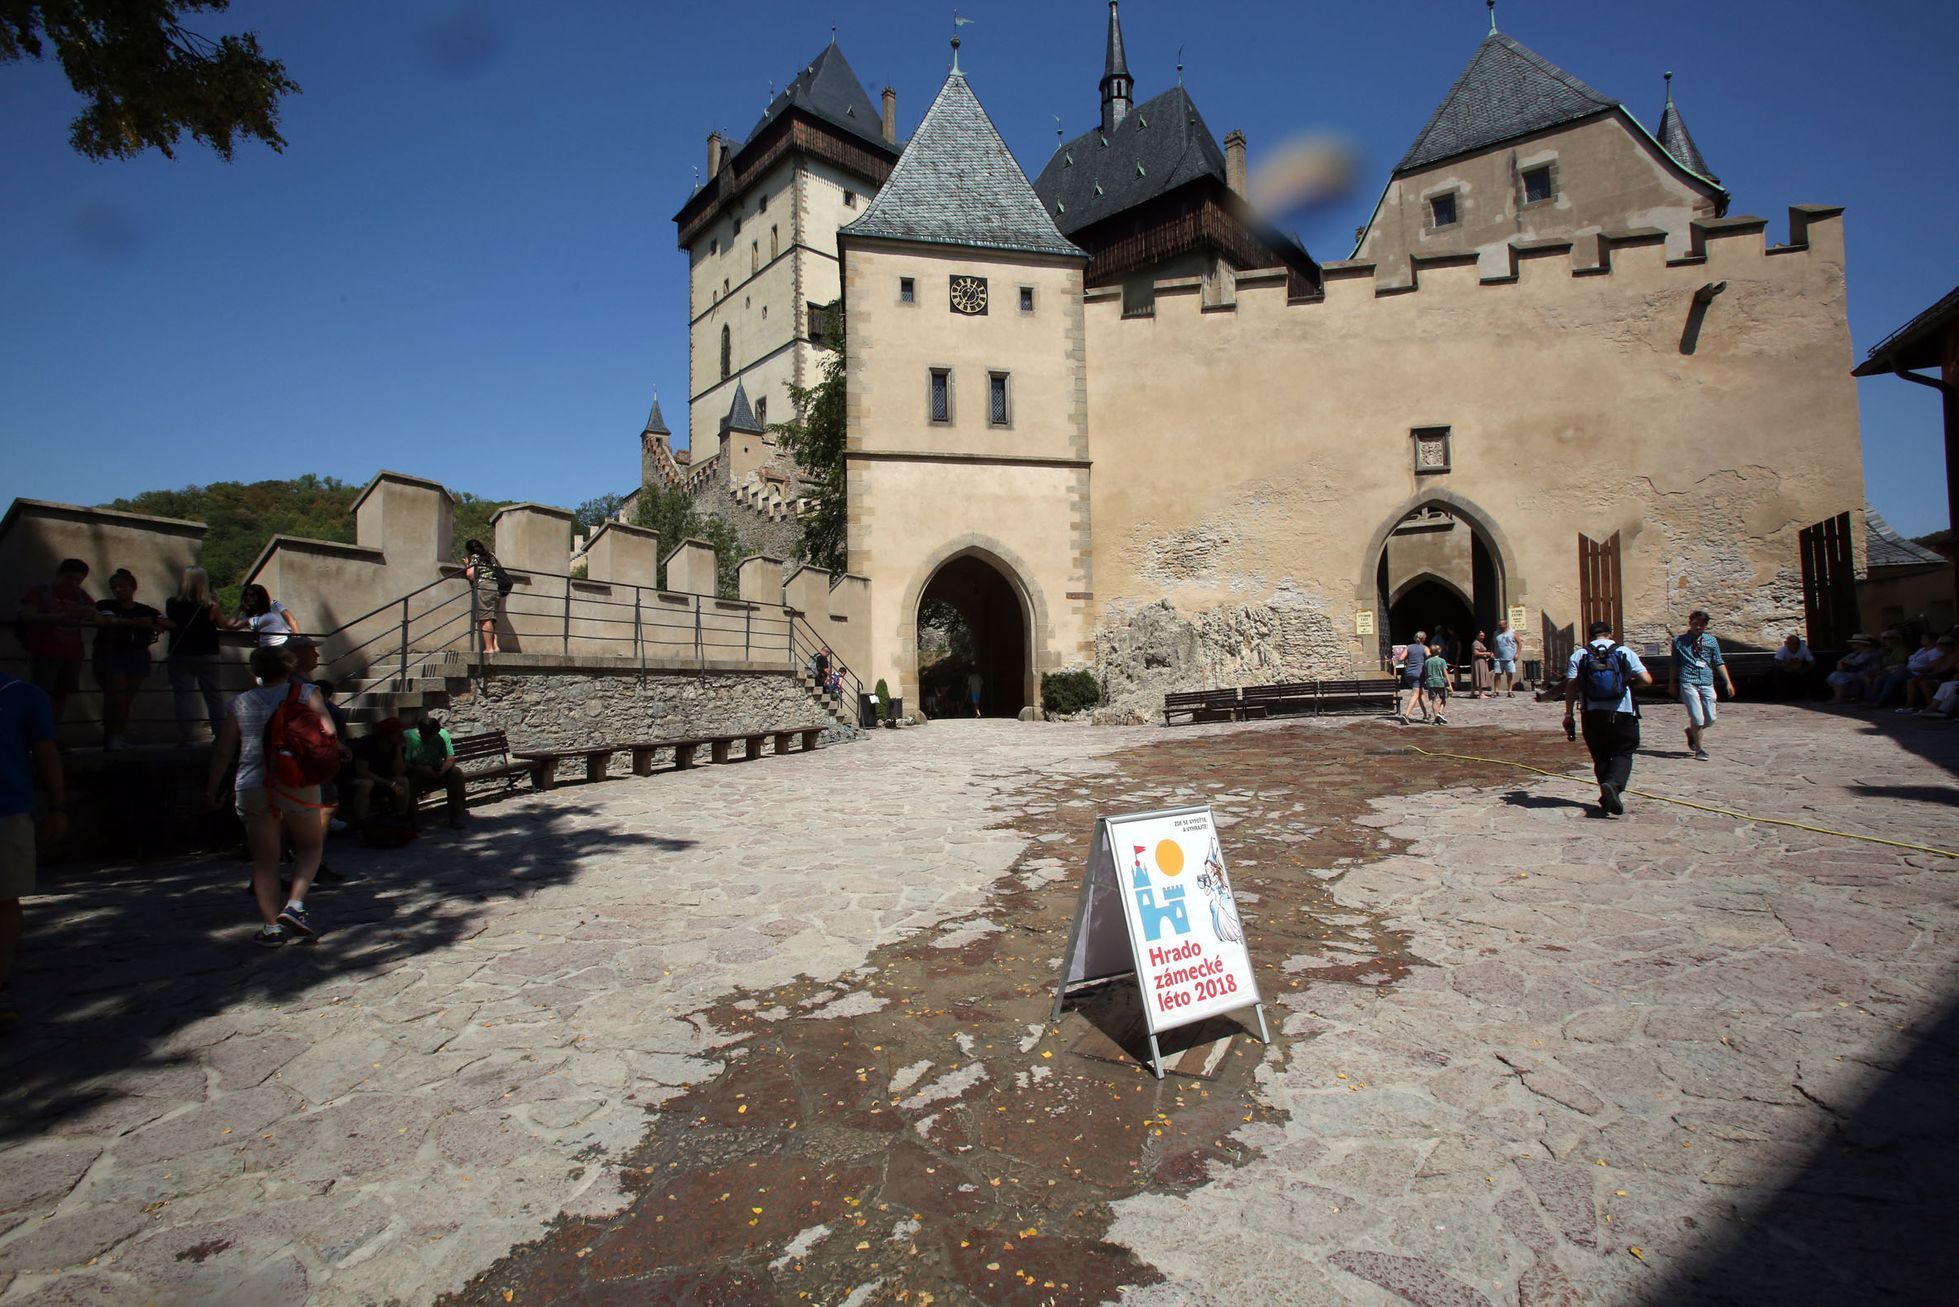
(1156, 903)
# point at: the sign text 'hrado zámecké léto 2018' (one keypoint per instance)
(1157, 902)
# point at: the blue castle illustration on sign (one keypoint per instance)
(1154, 916)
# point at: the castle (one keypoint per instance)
(1119, 420)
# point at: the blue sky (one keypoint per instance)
(463, 266)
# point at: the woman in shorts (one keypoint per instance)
(270, 811)
(482, 571)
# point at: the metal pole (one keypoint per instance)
(567, 616)
(747, 634)
(639, 641)
(403, 674)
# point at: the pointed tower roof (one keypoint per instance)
(655, 424)
(1674, 139)
(1507, 91)
(828, 89)
(1117, 64)
(741, 415)
(958, 184)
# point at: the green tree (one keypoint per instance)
(473, 514)
(669, 513)
(147, 78)
(241, 517)
(598, 510)
(815, 439)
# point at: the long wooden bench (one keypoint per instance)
(493, 746)
(1285, 696)
(1353, 693)
(543, 763)
(1208, 706)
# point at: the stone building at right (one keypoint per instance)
(1581, 387)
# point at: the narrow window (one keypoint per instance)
(1537, 184)
(996, 398)
(727, 353)
(724, 285)
(762, 411)
(754, 255)
(1442, 210)
(737, 224)
(941, 395)
(763, 205)
(1026, 299)
(775, 245)
(714, 246)
(907, 291)
(850, 199)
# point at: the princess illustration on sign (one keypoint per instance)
(1217, 887)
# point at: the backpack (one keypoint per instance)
(1604, 675)
(505, 584)
(298, 749)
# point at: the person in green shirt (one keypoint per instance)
(1435, 684)
(431, 758)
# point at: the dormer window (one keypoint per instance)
(850, 199)
(1442, 210)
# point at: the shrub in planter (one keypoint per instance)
(883, 699)
(1069, 692)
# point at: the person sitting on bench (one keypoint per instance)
(431, 758)
(377, 763)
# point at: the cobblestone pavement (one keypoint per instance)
(776, 1029)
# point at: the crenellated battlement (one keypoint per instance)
(1721, 248)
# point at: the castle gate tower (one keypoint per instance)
(968, 421)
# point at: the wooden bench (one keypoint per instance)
(685, 746)
(1286, 696)
(543, 763)
(1208, 705)
(491, 745)
(1353, 693)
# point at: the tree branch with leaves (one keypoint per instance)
(147, 78)
(815, 439)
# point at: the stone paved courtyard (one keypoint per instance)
(776, 1032)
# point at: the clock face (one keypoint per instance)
(969, 295)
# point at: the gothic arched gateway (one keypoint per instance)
(996, 644)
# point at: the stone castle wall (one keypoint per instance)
(1251, 460)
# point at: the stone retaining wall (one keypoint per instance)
(548, 708)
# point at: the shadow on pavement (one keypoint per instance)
(116, 961)
(1525, 799)
(1916, 793)
(1870, 1216)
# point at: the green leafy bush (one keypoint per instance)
(883, 699)
(1069, 692)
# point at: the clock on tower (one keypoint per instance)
(969, 295)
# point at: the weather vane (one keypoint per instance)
(957, 23)
(1492, 5)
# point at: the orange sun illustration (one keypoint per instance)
(1169, 857)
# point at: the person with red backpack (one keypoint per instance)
(286, 748)
(1603, 675)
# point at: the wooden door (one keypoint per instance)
(1829, 583)
(1599, 594)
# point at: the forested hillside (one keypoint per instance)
(243, 517)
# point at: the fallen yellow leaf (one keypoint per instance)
(1634, 1250)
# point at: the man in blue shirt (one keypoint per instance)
(1411, 681)
(1695, 657)
(1611, 720)
(26, 747)
(1506, 658)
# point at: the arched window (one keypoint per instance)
(775, 246)
(727, 354)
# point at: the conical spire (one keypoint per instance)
(958, 184)
(1507, 91)
(741, 415)
(1118, 88)
(655, 424)
(1676, 141)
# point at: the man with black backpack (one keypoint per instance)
(1604, 673)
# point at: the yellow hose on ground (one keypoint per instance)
(1699, 807)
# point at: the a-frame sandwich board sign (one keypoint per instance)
(1156, 903)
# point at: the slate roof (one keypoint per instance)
(1884, 547)
(1675, 141)
(1159, 145)
(828, 89)
(957, 184)
(1507, 91)
(741, 415)
(654, 422)
(1917, 344)
(1115, 63)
